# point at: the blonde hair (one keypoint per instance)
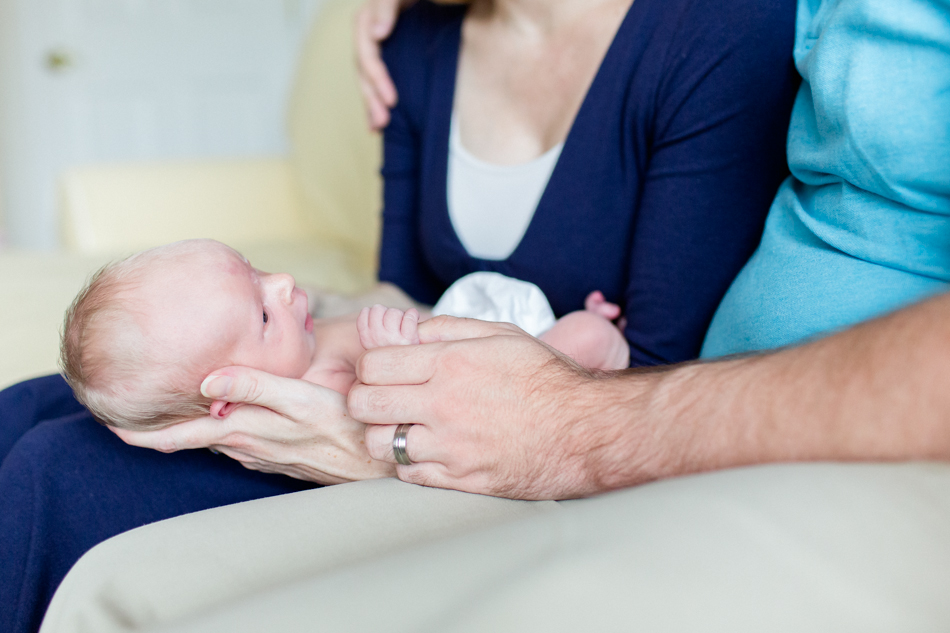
(106, 357)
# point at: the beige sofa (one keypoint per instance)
(820, 547)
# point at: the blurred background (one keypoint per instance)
(126, 124)
(106, 81)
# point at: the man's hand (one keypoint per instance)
(293, 427)
(497, 412)
(494, 410)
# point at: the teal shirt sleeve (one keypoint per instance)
(862, 227)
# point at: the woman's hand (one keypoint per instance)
(374, 23)
(292, 427)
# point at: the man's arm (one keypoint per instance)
(497, 412)
(874, 392)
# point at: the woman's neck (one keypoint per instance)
(534, 16)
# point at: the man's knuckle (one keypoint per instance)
(366, 366)
(372, 401)
(514, 329)
(356, 402)
(375, 446)
(417, 474)
(440, 320)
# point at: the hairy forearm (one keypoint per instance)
(871, 393)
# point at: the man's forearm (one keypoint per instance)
(873, 392)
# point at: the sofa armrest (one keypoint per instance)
(123, 208)
(36, 288)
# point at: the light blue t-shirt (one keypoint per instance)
(862, 227)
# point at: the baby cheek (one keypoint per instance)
(297, 359)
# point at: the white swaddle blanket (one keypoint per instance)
(494, 297)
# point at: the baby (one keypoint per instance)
(142, 335)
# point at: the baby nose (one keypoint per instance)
(285, 285)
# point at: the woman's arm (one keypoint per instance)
(717, 158)
(400, 258)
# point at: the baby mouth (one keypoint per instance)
(308, 323)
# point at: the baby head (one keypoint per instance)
(142, 335)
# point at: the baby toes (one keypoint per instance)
(597, 304)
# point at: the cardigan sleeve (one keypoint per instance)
(401, 259)
(717, 156)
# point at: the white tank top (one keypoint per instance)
(492, 205)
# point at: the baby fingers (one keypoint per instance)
(380, 326)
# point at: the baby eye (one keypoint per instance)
(265, 316)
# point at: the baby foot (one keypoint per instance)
(596, 303)
(380, 326)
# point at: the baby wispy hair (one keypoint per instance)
(106, 357)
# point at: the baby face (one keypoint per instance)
(211, 306)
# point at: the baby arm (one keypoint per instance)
(339, 345)
(380, 326)
(587, 336)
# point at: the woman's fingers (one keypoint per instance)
(377, 113)
(374, 23)
(383, 16)
(286, 396)
(291, 426)
(197, 433)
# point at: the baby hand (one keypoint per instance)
(380, 326)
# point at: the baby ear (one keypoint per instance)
(221, 409)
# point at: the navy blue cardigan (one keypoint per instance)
(660, 194)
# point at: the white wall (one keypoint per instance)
(142, 80)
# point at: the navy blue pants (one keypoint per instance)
(67, 483)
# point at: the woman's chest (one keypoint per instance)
(577, 240)
(517, 94)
